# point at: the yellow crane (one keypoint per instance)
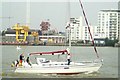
(21, 31)
(36, 38)
(35, 35)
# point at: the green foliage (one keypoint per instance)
(109, 42)
(80, 41)
(3, 33)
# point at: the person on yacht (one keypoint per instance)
(68, 59)
(21, 59)
(68, 56)
(28, 61)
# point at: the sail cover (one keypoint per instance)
(52, 53)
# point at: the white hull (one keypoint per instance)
(65, 69)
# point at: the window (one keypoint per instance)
(110, 13)
(106, 25)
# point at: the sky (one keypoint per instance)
(58, 13)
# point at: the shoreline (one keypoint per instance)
(54, 45)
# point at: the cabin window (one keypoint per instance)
(41, 60)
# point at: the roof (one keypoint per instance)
(11, 31)
(111, 10)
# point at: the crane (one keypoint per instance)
(36, 38)
(21, 31)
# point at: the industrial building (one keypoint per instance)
(33, 37)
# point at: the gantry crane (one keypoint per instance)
(36, 38)
(21, 31)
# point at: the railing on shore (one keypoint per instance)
(13, 43)
(47, 44)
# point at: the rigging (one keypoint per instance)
(84, 14)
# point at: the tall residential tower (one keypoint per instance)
(108, 23)
(75, 25)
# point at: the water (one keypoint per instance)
(108, 54)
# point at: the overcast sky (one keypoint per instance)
(57, 12)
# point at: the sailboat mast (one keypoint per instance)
(69, 24)
(88, 28)
(69, 36)
(68, 27)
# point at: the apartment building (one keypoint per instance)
(86, 34)
(80, 32)
(76, 29)
(108, 25)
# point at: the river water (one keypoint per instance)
(79, 53)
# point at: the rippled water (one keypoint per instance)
(108, 54)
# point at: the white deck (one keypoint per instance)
(59, 68)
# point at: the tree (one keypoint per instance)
(3, 33)
(109, 42)
(0, 33)
(80, 41)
